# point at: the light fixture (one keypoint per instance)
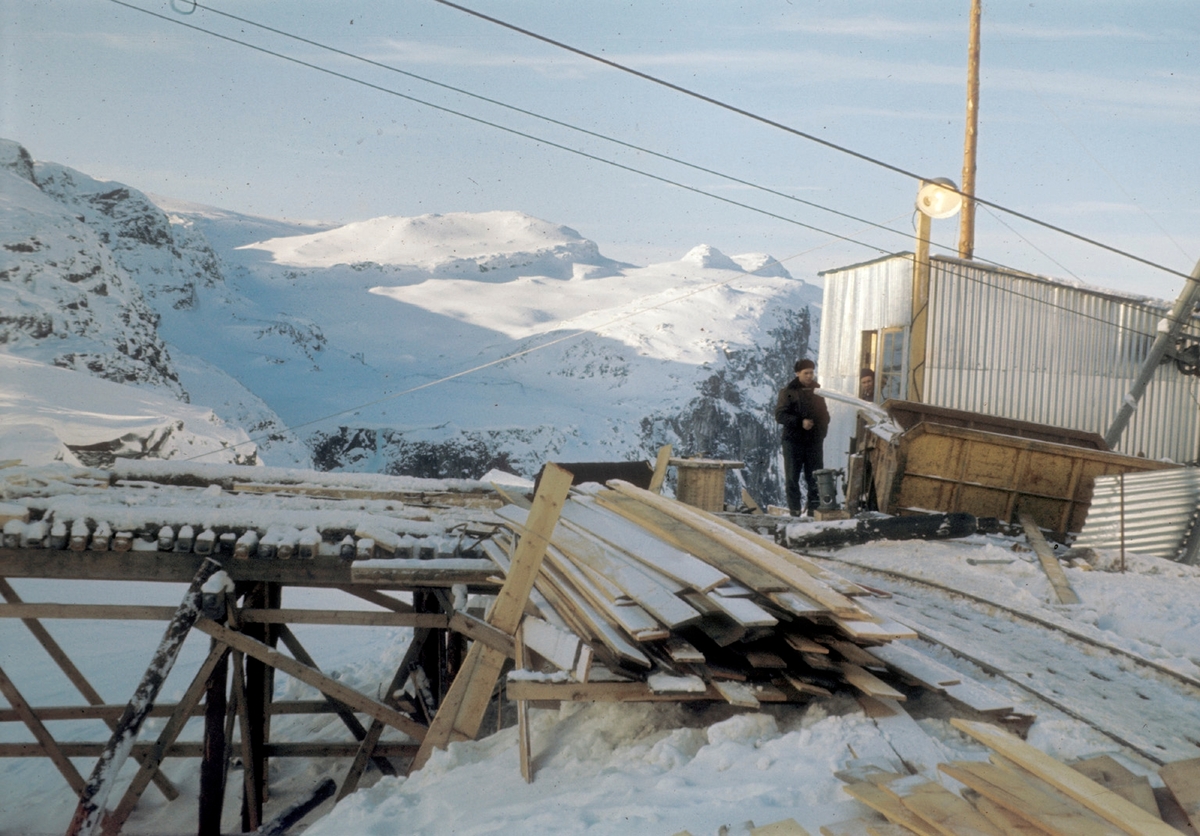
(939, 198)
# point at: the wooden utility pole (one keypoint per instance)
(966, 227)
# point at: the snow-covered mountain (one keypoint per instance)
(442, 345)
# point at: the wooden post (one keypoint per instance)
(461, 714)
(919, 323)
(525, 749)
(251, 801)
(660, 468)
(966, 224)
(255, 717)
(213, 764)
(284, 821)
(99, 785)
(76, 676)
(183, 712)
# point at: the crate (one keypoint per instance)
(701, 482)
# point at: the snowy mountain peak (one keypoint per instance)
(435, 242)
(16, 159)
(762, 264)
(711, 257)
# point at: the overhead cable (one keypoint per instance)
(804, 135)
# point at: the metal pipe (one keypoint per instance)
(1167, 336)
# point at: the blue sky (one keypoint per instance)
(1089, 118)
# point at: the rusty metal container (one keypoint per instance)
(934, 466)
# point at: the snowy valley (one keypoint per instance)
(435, 346)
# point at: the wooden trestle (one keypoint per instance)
(233, 687)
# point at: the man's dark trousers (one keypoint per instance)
(808, 458)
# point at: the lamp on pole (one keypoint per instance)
(937, 198)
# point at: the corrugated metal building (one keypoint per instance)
(1003, 343)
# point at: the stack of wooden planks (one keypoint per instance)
(1023, 791)
(643, 597)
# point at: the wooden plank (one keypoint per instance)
(1050, 565)
(854, 654)
(537, 689)
(765, 659)
(804, 644)
(736, 693)
(466, 701)
(948, 813)
(605, 626)
(1008, 822)
(1033, 802)
(875, 632)
(869, 684)
(480, 631)
(863, 827)
(1087, 792)
(297, 670)
(352, 618)
(661, 462)
(631, 617)
(601, 522)
(1108, 773)
(916, 749)
(743, 611)
(524, 744)
(890, 807)
(762, 557)
(787, 827)
(195, 749)
(1183, 780)
(556, 646)
(684, 537)
(681, 650)
(173, 567)
(938, 677)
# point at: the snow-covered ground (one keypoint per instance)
(605, 769)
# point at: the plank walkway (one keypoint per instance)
(1151, 713)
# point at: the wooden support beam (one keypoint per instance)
(251, 799)
(76, 676)
(195, 749)
(46, 743)
(466, 701)
(191, 698)
(343, 617)
(329, 687)
(661, 462)
(524, 745)
(214, 763)
(343, 711)
(100, 783)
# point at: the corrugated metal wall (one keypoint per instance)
(1023, 347)
(1015, 346)
(864, 297)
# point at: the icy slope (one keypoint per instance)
(49, 414)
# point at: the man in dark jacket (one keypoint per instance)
(805, 420)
